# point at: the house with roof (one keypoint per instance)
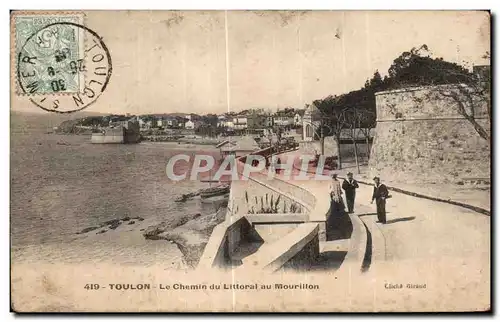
(243, 146)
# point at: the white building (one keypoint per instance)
(283, 120)
(189, 125)
(224, 121)
(240, 122)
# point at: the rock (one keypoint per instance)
(460, 183)
(110, 222)
(138, 218)
(153, 231)
(126, 218)
(115, 225)
(182, 220)
(187, 196)
(192, 237)
(131, 222)
(190, 233)
(101, 231)
(86, 230)
(190, 243)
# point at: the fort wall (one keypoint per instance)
(109, 136)
(422, 137)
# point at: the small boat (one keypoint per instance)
(215, 191)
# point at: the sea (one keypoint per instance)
(61, 184)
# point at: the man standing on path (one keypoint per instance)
(336, 194)
(350, 185)
(380, 194)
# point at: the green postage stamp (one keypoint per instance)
(49, 52)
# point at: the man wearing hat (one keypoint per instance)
(350, 185)
(380, 194)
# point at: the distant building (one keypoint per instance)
(225, 122)
(297, 119)
(269, 122)
(243, 146)
(283, 120)
(310, 122)
(171, 122)
(125, 132)
(240, 122)
(189, 125)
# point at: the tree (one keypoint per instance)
(469, 100)
(353, 125)
(418, 68)
(333, 120)
(210, 119)
(468, 92)
(367, 121)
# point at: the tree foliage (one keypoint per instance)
(412, 68)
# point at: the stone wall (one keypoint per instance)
(421, 137)
(312, 146)
(305, 259)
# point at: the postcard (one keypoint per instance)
(250, 161)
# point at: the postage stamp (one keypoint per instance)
(50, 56)
(62, 65)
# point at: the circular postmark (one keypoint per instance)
(64, 67)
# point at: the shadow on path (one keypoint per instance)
(371, 214)
(338, 225)
(392, 221)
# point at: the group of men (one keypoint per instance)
(380, 195)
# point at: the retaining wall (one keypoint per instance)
(283, 229)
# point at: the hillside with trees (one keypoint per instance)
(357, 109)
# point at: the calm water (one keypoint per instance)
(57, 190)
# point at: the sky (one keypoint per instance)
(215, 61)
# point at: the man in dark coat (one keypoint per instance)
(350, 185)
(380, 194)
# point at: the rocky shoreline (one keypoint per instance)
(190, 233)
(111, 224)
